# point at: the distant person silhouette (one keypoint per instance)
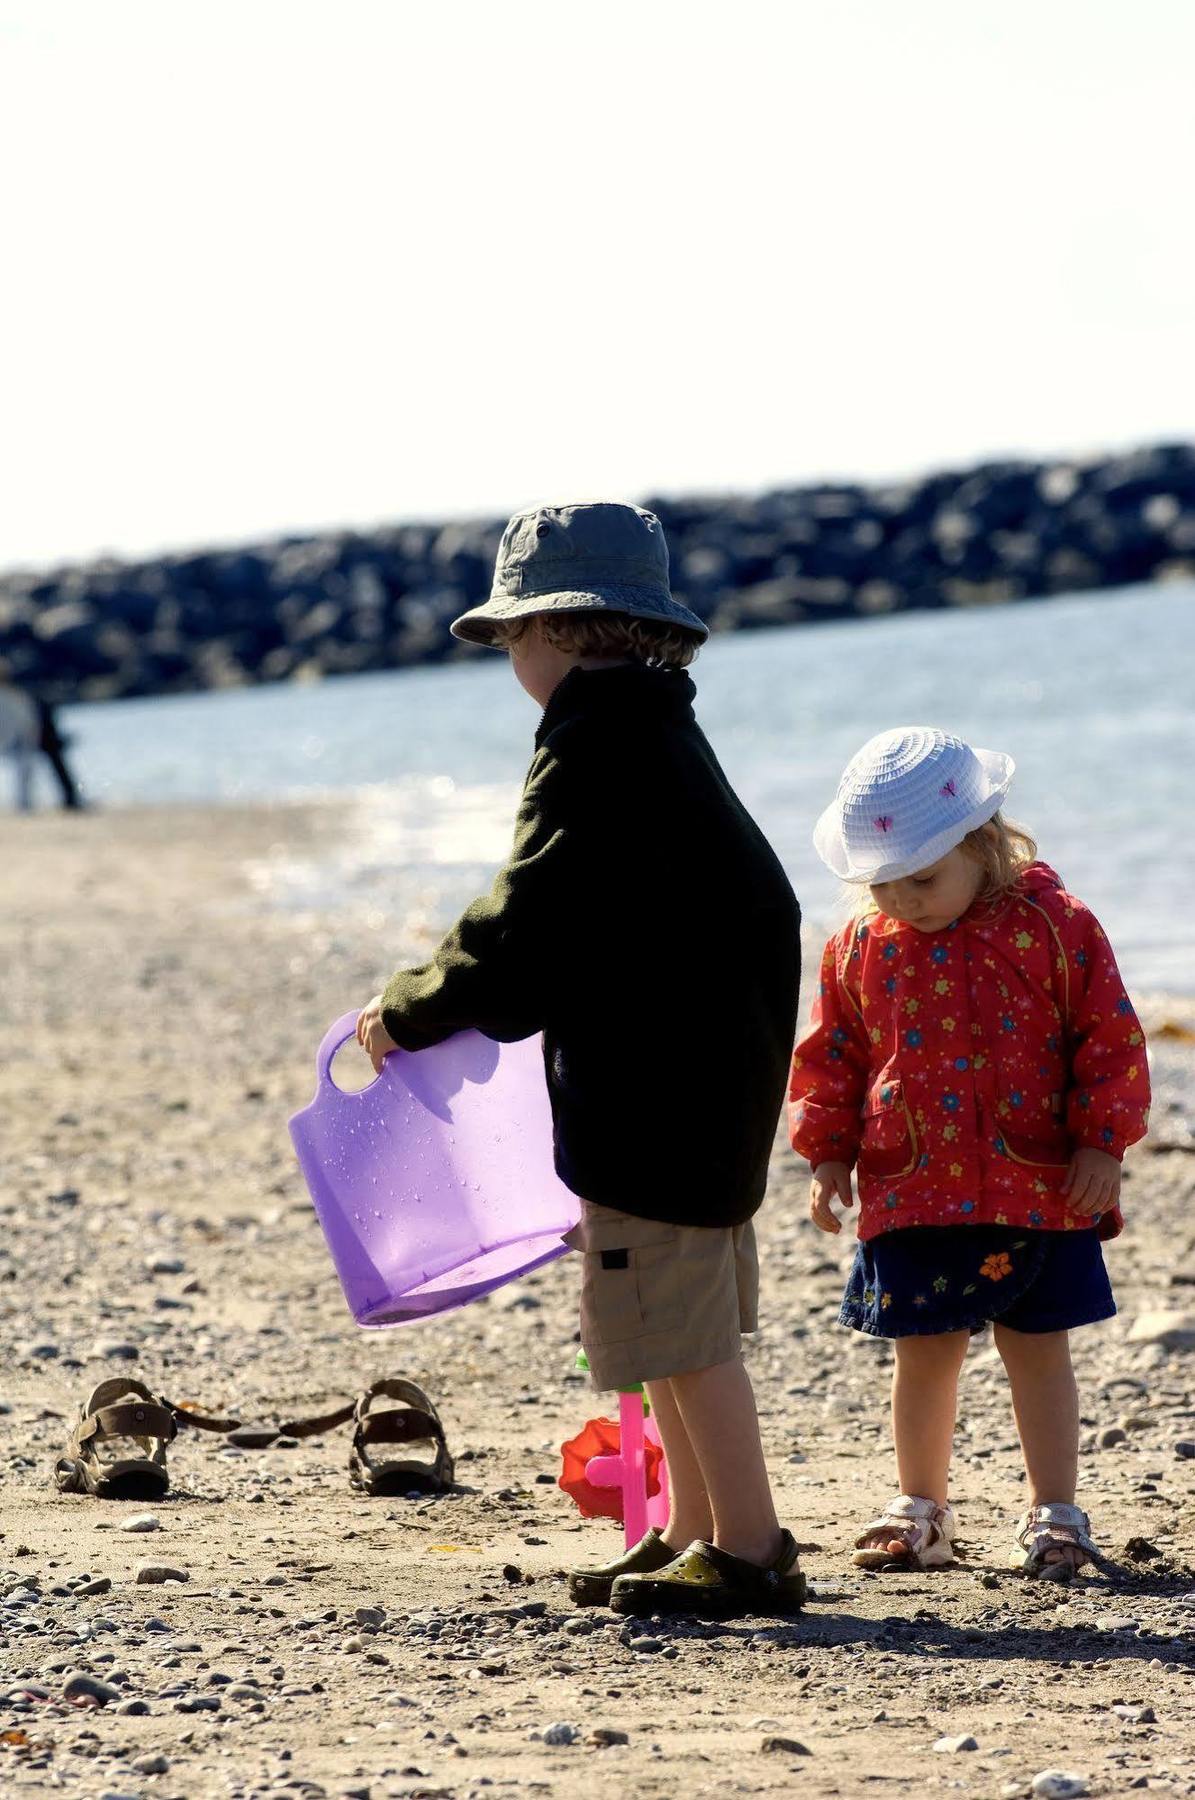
(27, 727)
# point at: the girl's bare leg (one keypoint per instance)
(924, 1404)
(1045, 1403)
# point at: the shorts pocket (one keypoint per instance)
(632, 1280)
(888, 1146)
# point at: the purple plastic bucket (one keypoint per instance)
(435, 1184)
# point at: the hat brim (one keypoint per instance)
(830, 844)
(477, 626)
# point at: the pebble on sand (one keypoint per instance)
(96, 1584)
(1057, 1784)
(153, 1764)
(140, 1522)
(1173, 1330)
(785, 1746)
(153, 1574)
(81, 1686)
(951, 1745)
(560, 1733)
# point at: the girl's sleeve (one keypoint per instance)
(829, 1071)
(491, 969)
(1108, 1100)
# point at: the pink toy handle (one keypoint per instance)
(634, 1481)
(333, 1040)
(659, 1506)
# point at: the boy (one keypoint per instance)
(645, 926)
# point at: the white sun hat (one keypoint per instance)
(905, 799)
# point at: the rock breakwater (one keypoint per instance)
(349, 601)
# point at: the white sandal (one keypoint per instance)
(1055, 1525)
(925, 1529)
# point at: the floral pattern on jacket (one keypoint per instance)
(959, 1069)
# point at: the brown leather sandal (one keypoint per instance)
(117, 1450)
(414, 1420)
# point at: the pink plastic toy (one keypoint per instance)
(435, 1184)
(628, 1470)
(604, 1457)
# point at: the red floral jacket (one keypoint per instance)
(959, 1069)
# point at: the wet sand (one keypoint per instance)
(157, 1024)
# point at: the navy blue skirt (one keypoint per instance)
(928, 1279)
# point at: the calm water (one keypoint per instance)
(1093, 695)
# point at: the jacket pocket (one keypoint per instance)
(888, 1146)
(1053, 1152)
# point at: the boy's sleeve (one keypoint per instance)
(490, 971)
(829, 1072)
(1107, 1106)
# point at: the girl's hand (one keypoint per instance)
(830, 1179)
(1092, 1182)
(372, 1035)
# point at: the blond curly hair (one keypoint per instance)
(650, 641)
(1002, 848)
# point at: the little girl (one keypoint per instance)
(974, 1053)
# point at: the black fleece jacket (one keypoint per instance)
(642, 923)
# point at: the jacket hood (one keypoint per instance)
(1039, 877)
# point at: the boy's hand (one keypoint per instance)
(372, 1035)
(830, 1180)
(1092, 1182)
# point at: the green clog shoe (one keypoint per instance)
(705, 1582)
(591, 1587)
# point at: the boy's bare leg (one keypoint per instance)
(717, 1409)
(689, 1513)
(1045, 1401)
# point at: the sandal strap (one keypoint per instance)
(1055, 1518)
(121, 1406)
(312, 1427)
(133, 1418)
(392, 1427)
(407, 1393)
(187, 1415)
(375, 1426)
(911, 1512)
(1057, 1522)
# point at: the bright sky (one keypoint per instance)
(278, 264)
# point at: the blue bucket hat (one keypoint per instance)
(593, 556)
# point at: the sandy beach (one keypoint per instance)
(157, 1024)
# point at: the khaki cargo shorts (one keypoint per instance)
(660, 1300)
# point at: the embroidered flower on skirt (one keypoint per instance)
(926, 1279)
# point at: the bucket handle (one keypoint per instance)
(333, 1039)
